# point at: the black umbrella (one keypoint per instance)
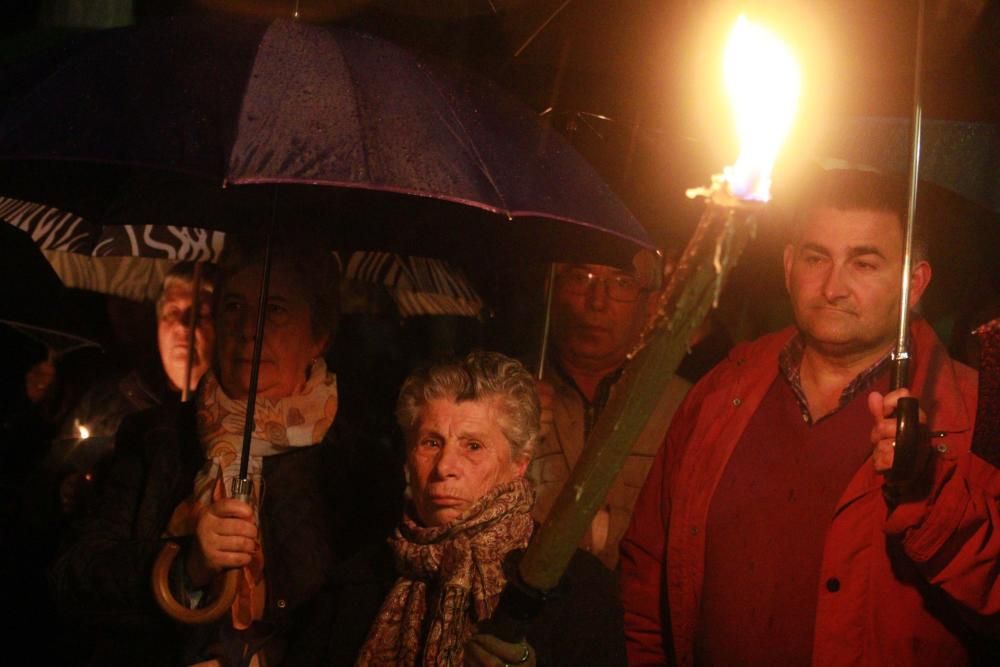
(32, 298)
(166, 124)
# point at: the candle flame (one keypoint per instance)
(82, 431)
(762, 79)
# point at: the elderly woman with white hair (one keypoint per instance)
(470, 427)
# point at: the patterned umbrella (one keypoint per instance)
(131, 261)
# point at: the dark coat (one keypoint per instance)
(321, 504)
(584, 626)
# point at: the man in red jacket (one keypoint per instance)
(762, 535)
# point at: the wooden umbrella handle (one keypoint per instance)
(165, 597)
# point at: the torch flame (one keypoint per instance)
(762, 79)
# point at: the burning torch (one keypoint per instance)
(763, 82)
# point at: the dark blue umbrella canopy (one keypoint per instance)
(182, 121)
(962, 157)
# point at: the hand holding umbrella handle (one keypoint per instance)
(909, 454)
(165, 598)
(242, 490)
(907, 458)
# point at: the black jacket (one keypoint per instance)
(321, 504)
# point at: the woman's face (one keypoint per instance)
(455, 455)
(289, 346)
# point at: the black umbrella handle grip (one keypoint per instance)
(904, 479)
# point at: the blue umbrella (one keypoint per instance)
(182, 121)
(960, 156)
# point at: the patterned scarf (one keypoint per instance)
(280, 425)
(450, 577)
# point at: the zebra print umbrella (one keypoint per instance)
(124, 260)
(131, 261)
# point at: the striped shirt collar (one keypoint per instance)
(790, 364)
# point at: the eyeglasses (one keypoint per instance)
(619, 287)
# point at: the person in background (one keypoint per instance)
(87, 436)
(764, 534)
(598, 314)
(104, 407)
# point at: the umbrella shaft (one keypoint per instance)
(192, 325)
(547, 322)
(257, 346)
(900, 376)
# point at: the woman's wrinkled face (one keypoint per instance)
(456, 453)
(289, 345)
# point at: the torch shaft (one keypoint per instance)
(687, 300)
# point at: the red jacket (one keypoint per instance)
(866, 614)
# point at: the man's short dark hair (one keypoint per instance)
(857, 189)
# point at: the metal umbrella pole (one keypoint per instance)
(543, 349)
(192, 333)
(907, 458)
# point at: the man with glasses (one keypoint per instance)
(598, 313)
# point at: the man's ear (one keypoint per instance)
(920, 278)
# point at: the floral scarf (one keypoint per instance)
(450, 577)
(280, 425)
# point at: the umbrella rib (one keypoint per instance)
(467, 141)
(358, 117)
(541, 28)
